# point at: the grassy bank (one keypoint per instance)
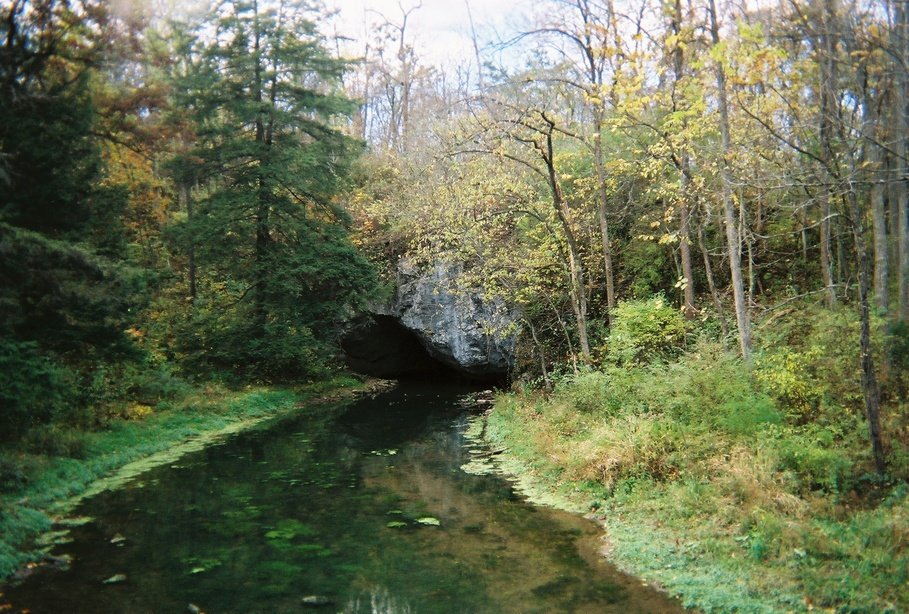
(47, 480)
(712, 485)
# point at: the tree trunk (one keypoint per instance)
(729, 217)
(684, 167)
(685, 254)
(901, 126)
(881, 247)
(595, 94)
(262, 204)
(874, 158)
(187, 204)
(539, 348)
(578, 287)
(902, 229)
(711, 285)
(870, 387)
(826, 114)
(826, 257)
(602, 216)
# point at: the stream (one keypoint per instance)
(369, 512)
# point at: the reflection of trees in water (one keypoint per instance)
(379, 601)
(303, 508)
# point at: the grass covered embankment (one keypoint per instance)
(45, 481)
(746, 489)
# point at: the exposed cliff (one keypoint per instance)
(454, 325)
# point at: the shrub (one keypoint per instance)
(810, 362)
(646, 330)
(747, 417)
(587, 391)
(817, 456)
(788, 377)
(710, 385)
(13, 474)
(56, 440)
(898, 353)
(33, 389)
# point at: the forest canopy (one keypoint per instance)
(698, 212)
(170, 202)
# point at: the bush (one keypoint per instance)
(747, 417)
(710, 385)
(13, 474)
(33, 390)
(789, 378)
(646, 330)
(898, 353)
(587, 392)
(810, 362)
(56, 440)
(817, 456)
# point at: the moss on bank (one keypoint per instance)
(706, 489)
(36, 487)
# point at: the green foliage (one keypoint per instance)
(646, 330)
(898, 352)
(53, 159)
(13, 474)
(587, 391)
(748, 416)
(34, 390)
(817, 457)
(809, 362)
(17, 524)
(644, 263)
(788, 376)
(56, 440)
(276, 274)
(63, 297)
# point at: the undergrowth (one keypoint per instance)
(739, 488)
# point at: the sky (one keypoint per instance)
(440, 29)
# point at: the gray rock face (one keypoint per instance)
(455, 325)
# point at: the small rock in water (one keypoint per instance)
(316, 600)
(194, 609)
(61, 562)
(117, 539)
(115, 579)
(429, 521)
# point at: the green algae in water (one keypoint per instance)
(290, 528)
(226, 531)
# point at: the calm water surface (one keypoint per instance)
(316, 506)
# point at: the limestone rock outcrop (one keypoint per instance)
(454, 326)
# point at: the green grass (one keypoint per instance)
(36, 486)
(707, 487)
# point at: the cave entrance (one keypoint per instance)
(379, 346)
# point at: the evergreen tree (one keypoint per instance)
(268, 234)
(63, 305)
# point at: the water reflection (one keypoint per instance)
(370, 512)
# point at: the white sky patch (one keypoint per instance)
(439, 30)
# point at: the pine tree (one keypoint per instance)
(267, 229)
